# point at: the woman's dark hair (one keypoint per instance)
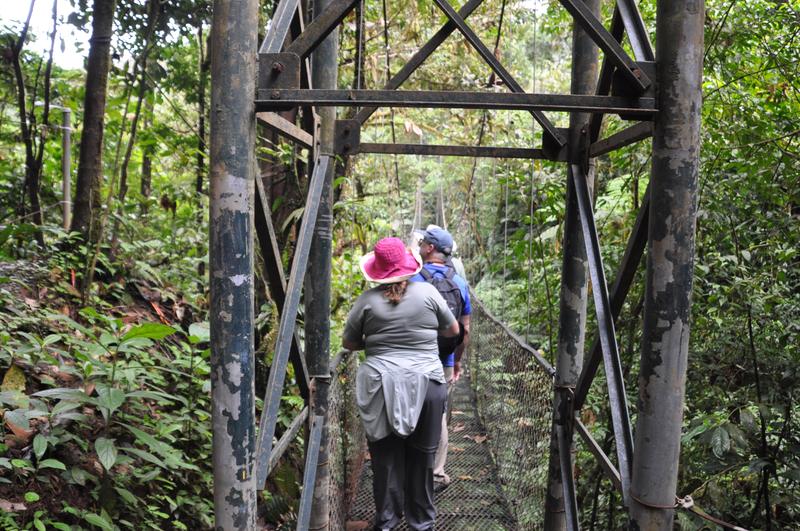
(394, 292)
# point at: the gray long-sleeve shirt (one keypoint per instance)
(402, 355)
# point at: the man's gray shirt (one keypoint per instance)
(402, 355)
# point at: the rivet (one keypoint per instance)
(277, 67)
(275, 95)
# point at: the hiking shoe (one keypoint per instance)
(440, 486)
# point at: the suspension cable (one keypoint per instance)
(505, 247)
(530, 260)
(391, 109)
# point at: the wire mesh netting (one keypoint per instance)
(513, 386)
(473, 501)
(346, 440)
(499, 438)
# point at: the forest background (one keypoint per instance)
(103, 332)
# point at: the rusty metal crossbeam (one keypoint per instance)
(286, 439)
(621, 139)
(284, 127)
(605, 463)
(273, 269)
(606, 75)
(279, 26)
(450, 151)
(286, 98)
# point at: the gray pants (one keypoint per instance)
(402, 468)
(439, 474)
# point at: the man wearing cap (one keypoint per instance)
(435, 249)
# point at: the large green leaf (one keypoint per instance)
(18, 417)
(106, 451)
(52, 463)
(66, 393)
(720, 442)
(99, 521)
(150, 441)
(39, 446)
(109, 400)
(149, 331)
(199, 332)
(147, 456)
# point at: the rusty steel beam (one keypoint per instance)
(616, 30)
(279, 26)
(626, 137)
(276, 278)
(618, 401)
(450, 151)
(603, 460)
(619, 291)
(272, 99)
(286, 329)
(636, 30)
(285, 128)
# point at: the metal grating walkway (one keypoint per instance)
(473, 501)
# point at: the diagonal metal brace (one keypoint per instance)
(322, 25)
(279, 26)
(420, 56)
(611, 48)
(497, 67)
(620, 417)
(277, 373)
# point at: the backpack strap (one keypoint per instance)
(450, 273)
(425, 274)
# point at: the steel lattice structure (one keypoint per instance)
(659, 92)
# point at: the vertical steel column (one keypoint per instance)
(561, 512)
(670, 260)
(232, 149)
(66, 170)
(324, 72)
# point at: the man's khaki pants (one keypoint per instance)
(439, 474)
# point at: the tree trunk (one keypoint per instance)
(86, 217)
(145, 183)
(201, 111)
(33, 151)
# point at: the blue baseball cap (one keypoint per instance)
(440, 238)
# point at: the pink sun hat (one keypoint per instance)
(390, 262)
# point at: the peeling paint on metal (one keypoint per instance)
(238, 280)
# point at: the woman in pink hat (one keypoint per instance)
(400, 387)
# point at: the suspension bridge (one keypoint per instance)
(517, 416)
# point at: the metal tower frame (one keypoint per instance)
(659, 92)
